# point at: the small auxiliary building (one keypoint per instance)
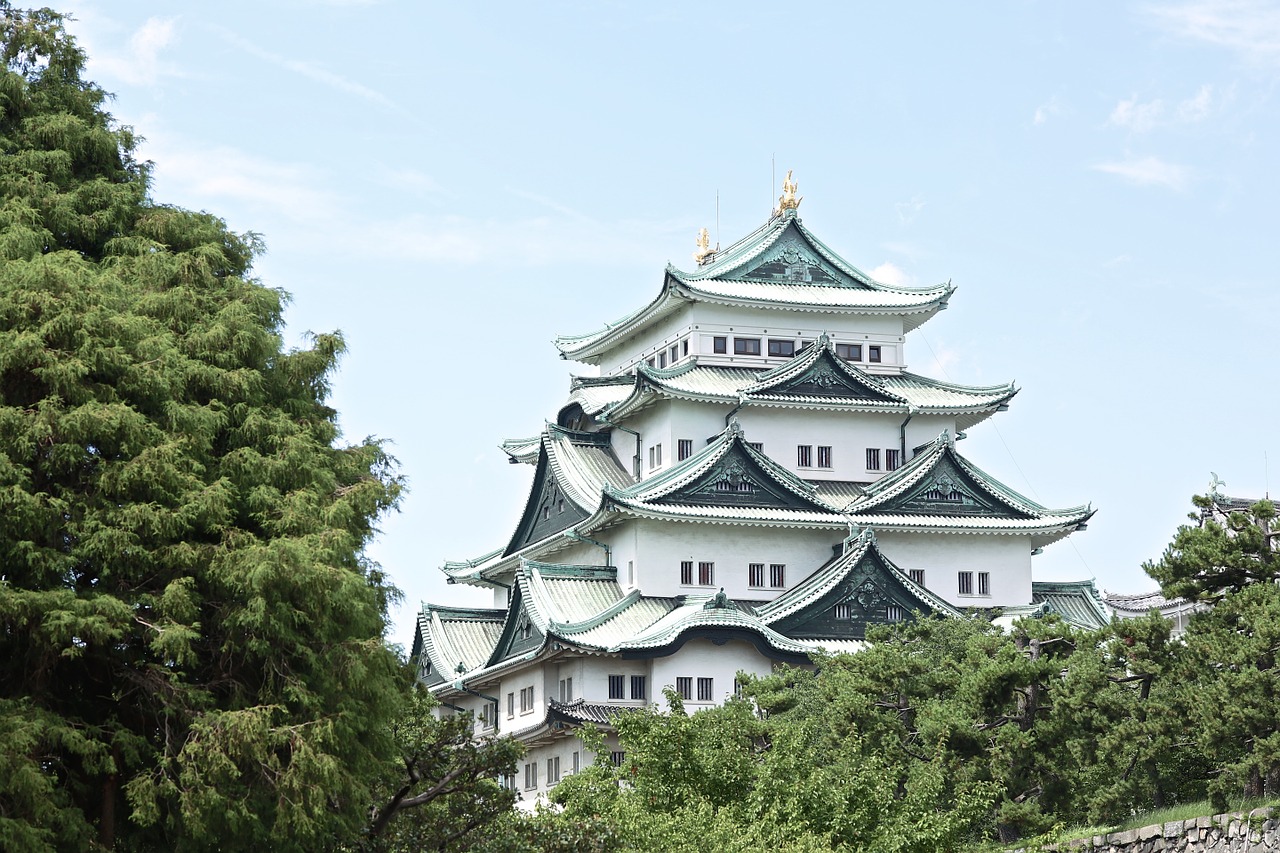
(753, 476)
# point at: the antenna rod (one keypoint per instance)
(717, 218)
(773, 176)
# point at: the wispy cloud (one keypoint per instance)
(1046, 111)
(890, 273)
(909, 210)
(316, 73)
(1148, 171)
(1140, 117)
(141, 61)
(1250, 28)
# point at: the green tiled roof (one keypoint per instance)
(448, 636)
(1077, 602)
(750, 272)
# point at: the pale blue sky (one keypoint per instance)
(453, 184)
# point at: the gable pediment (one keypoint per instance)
(792, 260)
(547, 511)
(520, 633)
(828, 377)
(947, 489)
(737, 480)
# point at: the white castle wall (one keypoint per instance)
(942, 556)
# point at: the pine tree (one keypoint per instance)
(191, 651)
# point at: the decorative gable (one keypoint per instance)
(828, 377)
(791, 259)
(736, 480)
(548, 510)
(520, 634)
(948, 490)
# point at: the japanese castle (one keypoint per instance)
(752, 476)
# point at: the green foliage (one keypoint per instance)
(191, 649)
(1215, 556)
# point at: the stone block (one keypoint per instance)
(1127, 837)
(1173, 829)
(1147, 833)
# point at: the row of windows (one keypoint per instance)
(553, 772)
(526, 702)
(618, 683)
(787, 348)
(966, 583)
(706, 689)
(755, 574)
(670, 356)
(892, 459)
(804, 457)
(844, 612)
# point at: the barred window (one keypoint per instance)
(804, 455)
(704, 689)
(615, 687)
(894, 613)
(984, 583)
(684, 449)
(777, 575)
(706, 574)
(873, 459)
(686, 572)
(916, 575)
(966, 583)
(638, 687)
(755, 574)
(824, 456)
(684, 688)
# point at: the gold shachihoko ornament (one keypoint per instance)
(704, 247)
(788, 200)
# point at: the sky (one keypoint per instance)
(453, 184)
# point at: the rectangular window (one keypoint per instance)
(777, 575)
(617, 757)
(843, 612)
(662, 359)
(655, 456)
(873, 459)
(746, 346)
(566, 690)
(684, 449)
(704, 689)
(755, 574)
(984, 583)
(674, 352)
(686, 572)
(684, 347)
(804, 455)
(849, 352)
(638, 687)
(526, 700)
(824, 456)
(684, 688)
(653, 362)
(757, 446)
(720, 345)
(966, 583)
(893, 613)
(873, 353)
(892, 460)
(511, 705)
(916, 575)
(615, 687)
(577, 761)
(631, 572)
(706, 574)
(782, 349)
(553, 770)
(530, 776)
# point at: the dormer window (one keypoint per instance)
(746, 346)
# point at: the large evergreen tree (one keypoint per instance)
(191, 651)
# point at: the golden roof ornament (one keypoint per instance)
(704, 247)
(788, 200)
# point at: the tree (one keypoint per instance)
(1211, 557)
(191, 651)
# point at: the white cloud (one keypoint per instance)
(1197, 107)
(909, 210)
(1136, 116)
(1148, 171)
(890, 273)
(140, 63)
(1250, 28)
(1045, 111)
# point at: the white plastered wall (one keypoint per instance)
(942, 556)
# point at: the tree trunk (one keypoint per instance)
(1273, 781)
(107, 819)
(1253, 785)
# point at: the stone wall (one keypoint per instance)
(1237, 832)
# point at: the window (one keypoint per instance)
(674, 352)
(777, 575)
(686, 572)
(526, 700)
(631, 572)
(560, 505)
(893, 613)
(553, 770)
(843, 612)
(984, 583)
(615, 687)
(566, 690)
(892, 460)
(638, 687)
(746, 346)
(546, 512)
(662, 359)
(720, 345)
(873, 459)
(531, 776)
(824, 456)
(757, 446)
(916, 575)
(783, 349)
(966, 583)
(511, 705)
(653, 362)
(655, 456)
(704, 689)
(617, 757)
(684, 347)
(804, 455)
(706, 574)
(755, 574)
(577, 761)
(684, 449)
(849, 352)
(684, 688)
(873, 353)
